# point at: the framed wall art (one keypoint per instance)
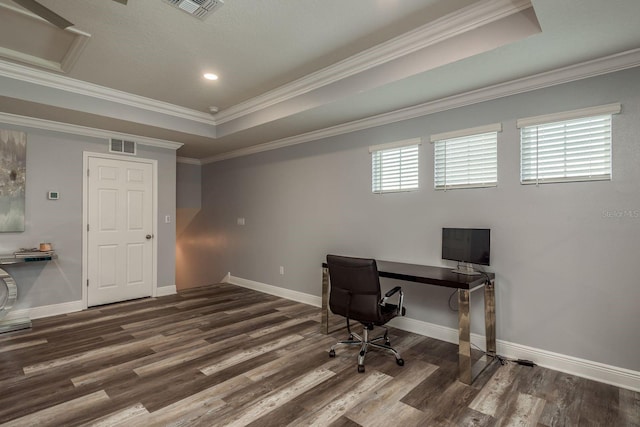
(13, 177)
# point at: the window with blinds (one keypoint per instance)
(395, 166)
(466, 161)
(577, 149)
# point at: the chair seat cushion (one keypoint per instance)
(388, 311)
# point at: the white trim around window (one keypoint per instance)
(600, 110)
(567, 147)
(395, 166)
(466, 158)
(494, 127)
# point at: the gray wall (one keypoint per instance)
(188, 186)
(190, 248)
(565, 263)
(54, 162)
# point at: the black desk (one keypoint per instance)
(440, 276)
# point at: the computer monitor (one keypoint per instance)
(467, 246)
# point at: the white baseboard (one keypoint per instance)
(274, 290)
(46, 310)
(162, 291)
(619, 377)
(68, 307)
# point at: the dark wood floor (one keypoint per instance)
(225, 355)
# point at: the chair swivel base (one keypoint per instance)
(364, 344)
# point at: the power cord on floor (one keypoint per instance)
(504, 360)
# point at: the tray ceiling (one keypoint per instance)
(290, 71)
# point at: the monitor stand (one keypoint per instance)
(464, 268)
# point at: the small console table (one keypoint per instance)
(440, 276)
(9, 291)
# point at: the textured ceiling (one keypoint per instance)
(291, 67)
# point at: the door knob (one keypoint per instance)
(149, 236)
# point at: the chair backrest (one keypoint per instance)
(355, 288)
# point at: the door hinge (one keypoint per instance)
(87, 283)
(88, 172)
(87, 227)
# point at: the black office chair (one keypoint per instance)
(356, 295)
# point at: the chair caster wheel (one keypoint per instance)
(332, 353)
(361, 368)
(350, 337)
(387, 342)
(400, 362)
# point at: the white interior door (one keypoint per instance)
(120, 230)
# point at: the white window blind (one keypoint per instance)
(395, 166)
(466, 161)
(571, 150)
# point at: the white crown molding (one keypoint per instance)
(188, 160)
(593, 68)
(80, 40)
(462, 21)
(67, 84)
(16, 120)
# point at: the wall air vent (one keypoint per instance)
(198, 8)
(122, 146)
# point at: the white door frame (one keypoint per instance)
(85, 218)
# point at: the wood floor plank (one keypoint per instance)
(444, 408)
(322, 412)
(278, 397)
(225, 355)
(190, 409)
(115, 369)
(59, 415)
(241, 356)
(600, 404)
(524, 411)
(629, 408)
(493, 396)
(123, 417)
(92, 354)
(296, 368)
(23, 345)
(373, 409)
(563, 401)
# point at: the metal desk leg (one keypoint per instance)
(464, 337)
(10, 292)
(324, 322)
(490, 317)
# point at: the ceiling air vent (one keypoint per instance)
(198, 8)
(122, 146)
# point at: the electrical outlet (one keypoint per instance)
(240, 221)
(282, 270)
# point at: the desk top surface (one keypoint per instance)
(431, 275)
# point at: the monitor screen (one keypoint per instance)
(470, 245)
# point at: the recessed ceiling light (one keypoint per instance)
(210, 76)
